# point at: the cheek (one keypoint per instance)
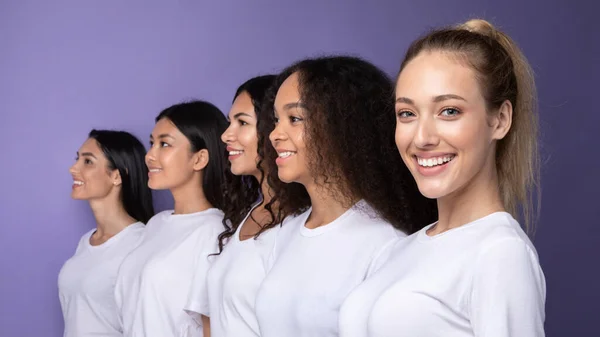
(404, 136)
(467, 135)
(97, 181)
(249, 141)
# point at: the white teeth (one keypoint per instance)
(286, 154)
(77, 182)
(430, 162)
(235, 153)
(155, 170)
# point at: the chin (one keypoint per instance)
(74, 196)
(431, 191)
(286, 178)
(240, 171)
(156, 185)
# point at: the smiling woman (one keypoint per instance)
(466, 128)
(154, 285)
(109, 173)
(332, 133)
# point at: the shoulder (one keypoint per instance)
(506, 249)
(502, 234)
(84, 239)
(159, 218)
(369, 223)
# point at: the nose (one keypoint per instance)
(73, 168)
(227, 136)
(277, 134)
(150, 155)
(426, 135)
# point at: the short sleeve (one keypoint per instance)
(198, 301)
(509, 292)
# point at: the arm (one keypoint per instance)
(205, 326)
(509, 292)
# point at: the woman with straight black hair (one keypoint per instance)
(109, 172)
(155, 281)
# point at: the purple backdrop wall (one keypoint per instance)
(68, 67)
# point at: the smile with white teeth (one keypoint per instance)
(155, 170)
(77, 182)
(285, 154)
(235, 153)
(430, 162)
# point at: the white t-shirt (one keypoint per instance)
(315, 269)
(86, 284)
(482, 279)
(155, 280)
(233, 281)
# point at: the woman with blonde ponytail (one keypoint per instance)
(466, 127)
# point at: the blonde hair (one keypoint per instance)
(504, 74)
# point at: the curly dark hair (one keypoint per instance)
(350, 130)
(243, 193)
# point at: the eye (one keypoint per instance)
(163, 144)
(87, 161)
(276, 119)
(242, 123)
(404, 114)
(295, 119)
(450, 112)
(151, 143)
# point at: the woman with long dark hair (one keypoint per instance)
(156, 280)
(245, 245)
(333, 134)
(109, 172)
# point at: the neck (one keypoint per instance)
(325, 208)
(478, 198)
(190, 198)
(110, 215)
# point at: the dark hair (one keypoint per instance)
(503, 74)
(202, 124)
(126, 153)
(350, 133)
(245, 191)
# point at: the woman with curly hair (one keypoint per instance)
(334, 135)
(250, 218)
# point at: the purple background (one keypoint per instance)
(68, 67)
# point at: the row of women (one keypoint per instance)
(331, 202)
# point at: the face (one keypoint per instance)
(443, 131)
(241, 136)
(288, 136)
(92, 178)
(170, 162)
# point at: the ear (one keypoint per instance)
(200, 160)
(502, 121)
(115, 176)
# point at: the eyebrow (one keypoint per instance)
(405, 100)
(446, 97)
(295, 105)
(164, 135)
(86, 154)
(241, 114)
(436, 99)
